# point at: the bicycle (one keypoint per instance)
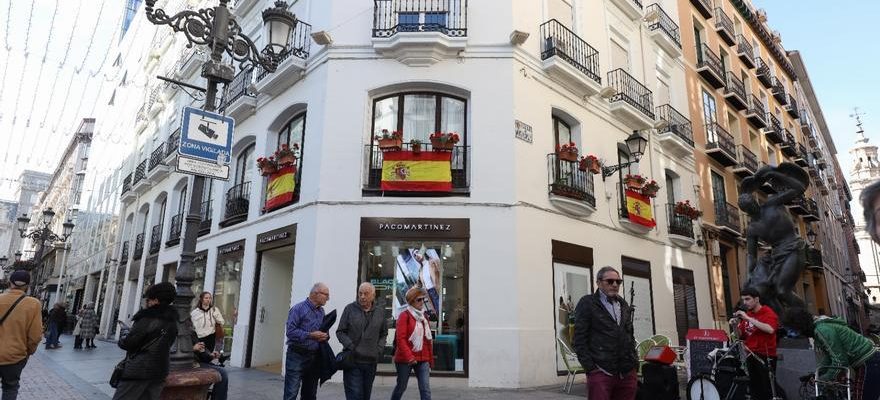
(815, 389)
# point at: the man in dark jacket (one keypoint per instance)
(148, 345)
(603, 340)
(362, 330)
(57, 319)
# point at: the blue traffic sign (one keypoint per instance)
(206, 135)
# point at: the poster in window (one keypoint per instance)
(418, 267)
(570, 283)
(637, 291)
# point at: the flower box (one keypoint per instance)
(438, 145)
(390, 144)
(650, 189)
(567, 152)
(443, 141)
(634, 182)
(591, 164)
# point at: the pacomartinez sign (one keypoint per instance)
(429, 228)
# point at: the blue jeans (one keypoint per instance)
(52, 335)
(423, 372)
(10, 377)
(300, 375)
(358, 381)
(221, 389)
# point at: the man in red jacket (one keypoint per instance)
(757, 328)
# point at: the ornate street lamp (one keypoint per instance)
(636, 144)
(216, 28)
(41, 234)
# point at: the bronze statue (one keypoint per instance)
(775, 273)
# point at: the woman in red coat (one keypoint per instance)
(414, 348)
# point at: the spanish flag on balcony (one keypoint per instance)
(639, 209)
(427, 171)
(280, 190)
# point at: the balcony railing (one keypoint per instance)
(664, 23)
(724, 26)
(763, 72)
(445, 16)
(704, 7)
(123, 256)
(735, 87)
(778, 91)
(155, 238)
(727, 216)
(745, 51)
(174, 230)
(172, 143)
(631, 91)
(140, 172)
(138, 246)
(814, 258)
(746, 159)
(460, 164)
(300, 45)
(557, 40)
(679, 224)
(789, 145)
(675, 123)
(709, 65)
(774, 131)
(239, 87)
(206, 213)
(756, 108)
(792, 107)
(237, 203)
(567, 180)
(157, 156)
(718, 138)
(126, 184)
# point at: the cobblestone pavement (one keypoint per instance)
(66, 373)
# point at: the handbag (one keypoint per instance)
(77, 330)
(219, 332)
(116, 376)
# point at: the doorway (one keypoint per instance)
(271, 304)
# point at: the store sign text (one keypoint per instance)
(416, 227)
(274, 237)
(231, 249)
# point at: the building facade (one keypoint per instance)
(30, 185)
(866, 170)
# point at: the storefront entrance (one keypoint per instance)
(271, 303)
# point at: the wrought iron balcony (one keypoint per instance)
(633, 93)
(445, 16)
(172, 143)
(812, 214)
(773, 131)
(206, 213)
(460, 172)
(560, 42)
(677, 136)
(632, 8)
(126, 184)
(735, 92)
(155, 238)
(763, 73)
(157, 156)
(237, 203)
(724, 26)
(747, 162)
(569, 182)
(679, 224)
(756, 113)
(778, 91)
(789, 145)
(704, 7)
(709, 66)
(727, 217)
(138, 246)
(792, 107)
(745, 51)
(720, 145)
(623, 212)
(814, 258)
(240, 87)
(801, 157)
(123, 256)
(300, 46)
(174, 230)
(664, 29)
(140, 172)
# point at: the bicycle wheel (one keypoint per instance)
(702, 388)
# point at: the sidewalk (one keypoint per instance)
(66, 373)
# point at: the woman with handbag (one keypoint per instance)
(141, 375)
(362, 331)
(88, 322)
(208, 322)
(414, 347)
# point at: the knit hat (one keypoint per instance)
(164, 292)
(20, 278)
(414, 293)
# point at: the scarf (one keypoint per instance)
(421, 330)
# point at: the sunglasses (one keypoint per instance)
(421, 299)
(613, 281)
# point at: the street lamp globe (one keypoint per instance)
(68, 228)
(636, 143)
(23, 222)
(279, 22)
(48, 214)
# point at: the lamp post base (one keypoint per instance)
(190, 384)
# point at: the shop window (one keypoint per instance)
(572, 280)
(200, 264)
(439, 266)
(638, 292)
(227, 287)
(685, 297)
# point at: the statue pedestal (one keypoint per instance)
(190, 384)
(796, 359)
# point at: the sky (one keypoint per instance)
(838, 41)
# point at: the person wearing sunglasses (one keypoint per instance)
(604, 342)
(414, 348)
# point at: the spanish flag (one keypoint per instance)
(279, 192)
(639, 209)
(427, 171)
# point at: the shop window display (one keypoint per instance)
(438, 266)
(227, 290)
(570, 284)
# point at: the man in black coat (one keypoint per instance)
(147, 345)
(604, 342)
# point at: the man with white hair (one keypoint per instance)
(362, 331)
(303, 336)
(21, 327)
